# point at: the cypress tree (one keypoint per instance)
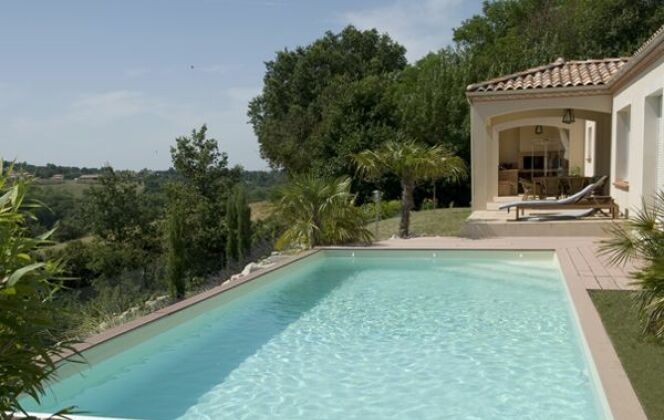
(243, 224)
(176, 252)
(232, 245)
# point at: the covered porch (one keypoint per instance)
(544, 133)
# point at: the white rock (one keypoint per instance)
(251, 267)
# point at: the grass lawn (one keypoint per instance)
(642, 358)
(260, 210)
(439, 222)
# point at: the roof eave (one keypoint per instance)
(643, 58)
(538, 93)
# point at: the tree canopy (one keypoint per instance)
(354, 90)
(319, 99)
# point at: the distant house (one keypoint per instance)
(568, 119)
(57, 179)
(88, 178)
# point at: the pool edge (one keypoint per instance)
(618, 391)
(107, 335)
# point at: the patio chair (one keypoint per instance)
(530, 189)
(551, 186)
(574, 184)
(581, 200)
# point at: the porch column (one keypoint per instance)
(482, 165)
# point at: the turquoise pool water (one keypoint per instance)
(403, 335)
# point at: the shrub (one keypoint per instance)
(642, 238)
(320, 211)
(428, 204)
(27, 285)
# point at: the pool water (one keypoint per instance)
(377, 335)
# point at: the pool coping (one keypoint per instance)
(622, 400)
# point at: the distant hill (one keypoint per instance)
(50, 169)
(259, 184)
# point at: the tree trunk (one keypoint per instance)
(407, 188)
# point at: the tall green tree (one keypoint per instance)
(310, 92)
(28, 350)
(202, 166)
(243, 224)
(232, 239)
(412, 163)
(176, 250)
(204, 182)
(238, 224)
(113, 208)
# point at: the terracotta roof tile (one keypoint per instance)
(560, 73)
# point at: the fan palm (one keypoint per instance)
(642, 239)
(412, 163)
(319, 211)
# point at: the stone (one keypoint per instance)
(249, 268)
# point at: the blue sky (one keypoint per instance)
(91, 82)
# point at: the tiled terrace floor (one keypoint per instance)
(593, 270)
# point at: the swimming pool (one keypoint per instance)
(356, 334)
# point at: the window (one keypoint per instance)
(654, 143)
(622, 144)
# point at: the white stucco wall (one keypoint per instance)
(642, 148)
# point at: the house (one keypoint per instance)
(57, 179)
(570, 120)
(89, 179)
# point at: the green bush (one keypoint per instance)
(388, 209)
(27, 317)
(642, 239)
(319, 211)
(428, 204)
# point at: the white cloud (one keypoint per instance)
(421, 26)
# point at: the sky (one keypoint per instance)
(95, 82)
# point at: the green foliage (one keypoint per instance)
(243, 224)
(320, 101)
(353, 91)
(642, 238)
(232, 240)
(238, 225)
(176, 251)
(202, 166)
(511, 36)
(318, 211)
(114, 208)
(27, 285)
(411, 163)
(202, 190)
(428, 204)
(50, 169)
(388, 209)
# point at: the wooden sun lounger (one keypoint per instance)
(600, 203)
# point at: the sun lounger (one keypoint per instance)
(567, 215)
(581, 200)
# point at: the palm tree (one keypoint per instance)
(412, 163)
(320, 211)
(642, 238)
